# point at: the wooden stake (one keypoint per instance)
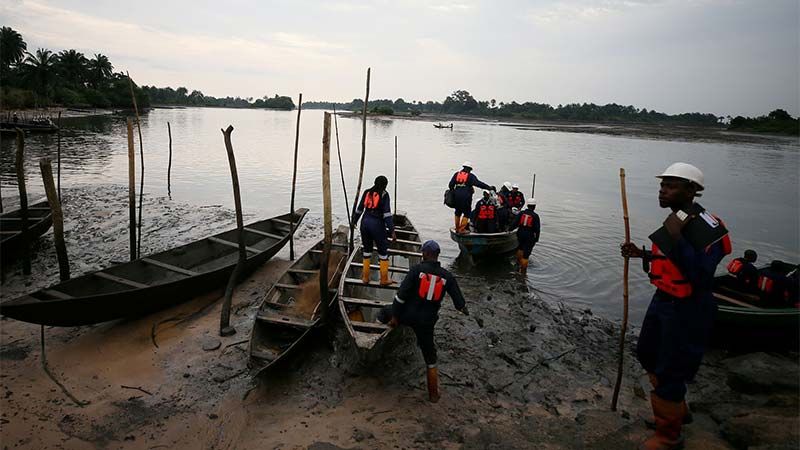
(58, 217)
(341, 168)
(132, 189)
(224, 321)
(58, 154)
(324, 295)
(395, 174)
(533, 187)
(621, 355)
(1, 199)
(23, 201)
(363, 155)
(169, 166)
(141, 163)
(294, 175)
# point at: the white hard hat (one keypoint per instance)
(685, 171)
(531, 202)
(515, 186)
(467, 164)
(486, 191)
(507, 184)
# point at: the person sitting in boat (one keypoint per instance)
(503, 209)
(528, 227)
(745, 271)
(774, 286)
(417, 304)
(485, 214)
(685, 254)
(516, 199)
(462, 185)
(376, 226)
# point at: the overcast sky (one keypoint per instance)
(720, 56)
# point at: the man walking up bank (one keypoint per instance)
(676, 327)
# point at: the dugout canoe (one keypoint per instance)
(480, 245)
(359, 303)
(291, 308)
(40, 218)
(154, 282)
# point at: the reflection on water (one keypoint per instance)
(754, 188)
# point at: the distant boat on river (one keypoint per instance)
(40, 125)
(439, 125)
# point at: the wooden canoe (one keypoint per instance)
(480, 245)
(359, 303)
(291, 308)
(40, 218)
(154, 282)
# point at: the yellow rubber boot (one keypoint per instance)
(519, 258)
(457, 225)
(365, 270)
(464, 225)
(523, 267)
(385, 280)
(433, 384)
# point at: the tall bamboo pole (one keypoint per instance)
(533, 187)
(341, 169)
(58, 217)
(363, 156)
(169, 166)
(621, 354)
(23, 200)
(141, 163)
(324, 295)
(58, 154)
(132, 188)
(294, 175)
(395, 174)
(224, 321)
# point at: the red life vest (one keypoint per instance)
(371, 200)
(431, 287)
(515, 199)
(765, 284)
(462, 177)
(486, 212)
(735, 266)
(666, 276)
(525, 220)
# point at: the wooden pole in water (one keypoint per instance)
(621, 355)
(23, 200)
(58, 154)
(141, 181)
(341, 169)
(225, 329)
(363, 155)
(533, 187)
(132, 188)
(294, 175)
(324, 295)
(58, 217)
(395, 174)
(169, 166)
(1, 199)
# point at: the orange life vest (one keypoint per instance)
(515, 199)
(735, 266)
(666, 276)
(765, 284)
(486, 212)
(462, 177)
(525, 220)
(371, 200)
(431, 287)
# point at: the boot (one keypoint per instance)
(669, 416)
(464, 225)
(457, 226)
(433, 384)
(365, 270)
(519, 258)
(523, 267)
(385, 280)
(688, 418)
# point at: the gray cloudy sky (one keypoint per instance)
(721, 56)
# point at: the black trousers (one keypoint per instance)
(424, 335)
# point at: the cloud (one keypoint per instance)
(559, 12)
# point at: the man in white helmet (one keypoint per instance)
(685, 253)
(462, 184)
(503, 210)
(528, 228)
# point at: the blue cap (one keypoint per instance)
(430, 247)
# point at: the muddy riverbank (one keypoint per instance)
(518, 373)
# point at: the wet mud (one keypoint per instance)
(519, 372)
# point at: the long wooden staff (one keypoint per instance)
(363, 154)
(294, 176)
(621, 356)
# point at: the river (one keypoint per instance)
(755, 188)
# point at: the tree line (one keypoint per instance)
(776, 122)
(182, 97)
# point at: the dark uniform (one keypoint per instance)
(462, 185)
(485, 216)
(503, 209)
(745, 272)
(516, 199)
(528, 228)
(376, 227)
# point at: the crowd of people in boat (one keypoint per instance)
(775, 285)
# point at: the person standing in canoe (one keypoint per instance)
(685, 253)
(528, 228)
(376, 226)
(417, 304)
(462, 185)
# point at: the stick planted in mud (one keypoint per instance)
(341, 168)
(169, 165)
(533, 187)
(58, 154)
(225, 329)
(363, 155)
(324, 295)
(23, 201)
(58, 218)
(141, 163)
(621, 355)
(294, 175)
(132, 189)
(395, 174)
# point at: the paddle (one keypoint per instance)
(621, 355)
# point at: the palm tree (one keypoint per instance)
(38, 70)
(12, 47)
(72, 66)
(100, 70)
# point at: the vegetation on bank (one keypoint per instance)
(776, 122)
(45, 78)
(182, 97)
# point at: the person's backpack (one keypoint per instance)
(449, 198)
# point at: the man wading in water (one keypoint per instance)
(676, 327)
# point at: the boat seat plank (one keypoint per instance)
(275, 304)
(57, 294)
(287, 286)
(402, 231)
(407, 242)
(725, 298)
(285, 222)
(393, 251)
(304, 271)
(285, 320)
(8, 232)
(365, 302)
(369, 325)
(263, 233)
(232, 244)
(120, 280)
(391, 268)
(372, 284)
(169, 267)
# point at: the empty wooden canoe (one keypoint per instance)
(40, 218)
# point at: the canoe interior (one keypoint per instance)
(11, 222)
(291, 308)
(360, 303)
